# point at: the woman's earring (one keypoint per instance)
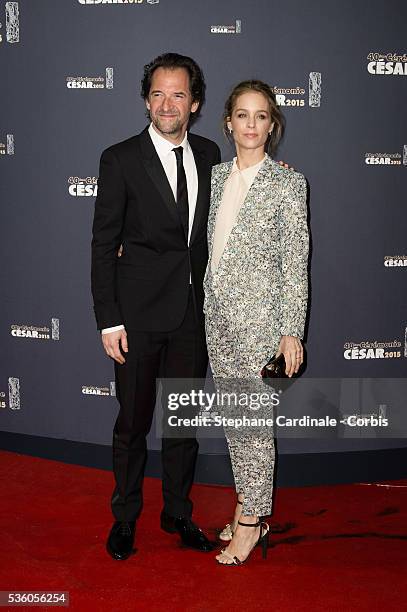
(230, 130)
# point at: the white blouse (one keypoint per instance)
(235, 191)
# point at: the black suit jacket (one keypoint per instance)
(146, 288)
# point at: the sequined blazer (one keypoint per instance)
(261, 284)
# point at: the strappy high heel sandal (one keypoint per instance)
(263, 541)
(227, 534)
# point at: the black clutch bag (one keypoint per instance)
(275, 368)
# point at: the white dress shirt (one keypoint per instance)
(168, 160)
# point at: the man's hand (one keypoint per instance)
(284, 165)
(112, 343)
(293, 352)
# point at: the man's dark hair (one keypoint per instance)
(171, 61)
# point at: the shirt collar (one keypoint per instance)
(251, 169)
(247, 175)
(164, 146)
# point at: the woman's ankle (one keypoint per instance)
(249, 519)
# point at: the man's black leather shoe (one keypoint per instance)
(121, 540)
(191, 535)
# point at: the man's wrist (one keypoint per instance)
(109, 330)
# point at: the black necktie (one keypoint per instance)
(182, 191)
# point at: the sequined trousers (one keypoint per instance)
(236, 363)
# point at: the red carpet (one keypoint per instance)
(336, 548)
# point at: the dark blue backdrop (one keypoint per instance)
(339, 69)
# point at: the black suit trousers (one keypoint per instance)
(180, 353)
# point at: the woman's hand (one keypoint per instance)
(293, 352)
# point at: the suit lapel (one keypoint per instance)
(266, 171)
(221, 174)
(202, 199)
(157, 174)
(266, 175)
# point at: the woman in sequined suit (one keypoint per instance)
(255, 287)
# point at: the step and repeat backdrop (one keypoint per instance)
(70, 73)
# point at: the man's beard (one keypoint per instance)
(167, 127)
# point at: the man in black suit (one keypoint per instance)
(149, 254)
